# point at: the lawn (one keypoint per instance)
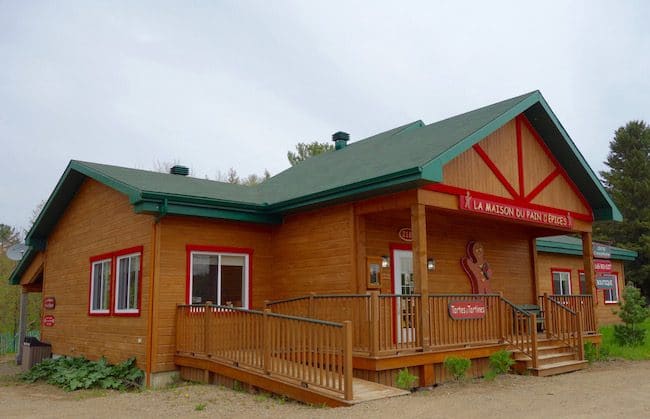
(626, 352)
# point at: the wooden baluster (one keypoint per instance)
(347, 361)
(581, 345)
(374, 323)
(533, 326)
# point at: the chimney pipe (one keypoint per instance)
(340, 139)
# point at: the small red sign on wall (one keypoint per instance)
(464, 310)
(602, 265)
(406, 234)
(48, 321)
(49, 303)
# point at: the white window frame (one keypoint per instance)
(245, 294)
(94, 264)
(117, 284)
(561, 272)
(618, 297)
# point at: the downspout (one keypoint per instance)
(162, 212)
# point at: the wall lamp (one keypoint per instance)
(385, 261)
(431, 265)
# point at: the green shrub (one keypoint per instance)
(405, 380)
(595, 353)
(633, 312)
(501, 362)
(457, 366)
(490, 375)
(79, 373)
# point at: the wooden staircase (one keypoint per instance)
(553, 357)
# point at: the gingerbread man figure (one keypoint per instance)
(477, 268)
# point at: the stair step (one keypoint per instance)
(558, 368)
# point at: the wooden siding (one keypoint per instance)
(470, 171)
(313, 252)
(175, 234)
(34, 269)
(506, 248)
(98, 220)
(547, 261)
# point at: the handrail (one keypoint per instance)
(519, 329)
(262, 313)
(579, 302)
(562, 306)
(564, 324)
(287, 300)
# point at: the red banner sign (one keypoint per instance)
(49, 303)
(48, 320)
(514, 212)
(602, 265)
(406, 234)
(463, 310)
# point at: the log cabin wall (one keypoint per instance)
(313, 252)
(548, 261)
(98, 220)
(178, 232)
(506, 246)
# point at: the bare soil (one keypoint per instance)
(605, 390)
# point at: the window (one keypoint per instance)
(611, 295)
(219, 277)
(561, 282)
(100, 287)
(127, 285)
(115, 283)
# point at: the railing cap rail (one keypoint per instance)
(559, 304)
(514, 307)
(463, 295)
(262, 313)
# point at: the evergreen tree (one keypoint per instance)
(307, 150)
(628, 183)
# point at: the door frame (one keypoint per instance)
(407, 247)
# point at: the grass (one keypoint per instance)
(634, 353)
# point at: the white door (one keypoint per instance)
(404, 286)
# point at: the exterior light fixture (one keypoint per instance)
(385, 262)
(431, 264)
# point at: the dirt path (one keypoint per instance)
(607, 390)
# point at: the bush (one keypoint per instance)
(405, 380)
(595, 353)
(501, 362)
(632, 312)
(79, 373)
(457, 366)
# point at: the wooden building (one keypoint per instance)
(394, 251)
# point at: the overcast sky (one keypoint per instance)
(236, 84)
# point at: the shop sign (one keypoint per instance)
(464, 310)
(405, 234)
(48, 321)
(602, 265)
(514, 212)
(605, 282)
(49, 303)
(603, 251)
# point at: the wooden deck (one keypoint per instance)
(363, 390)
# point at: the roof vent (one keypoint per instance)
(340, 139)
(179, 170)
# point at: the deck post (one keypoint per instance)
(22, 325)
(374, 323)
(420, 273)
(502, 318)
(581, 345)
(347, 359)
(533, 333)
(266, 341)
(588, 261)
(547, 316)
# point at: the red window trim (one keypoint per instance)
(113, 281)
(553, 284)
(217, 249)
(618, 296)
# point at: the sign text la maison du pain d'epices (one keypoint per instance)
(514, 212)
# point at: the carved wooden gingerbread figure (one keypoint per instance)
(477, 268)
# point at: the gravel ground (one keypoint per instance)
(606, 390)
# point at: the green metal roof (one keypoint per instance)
(402, 158)
(570, 245)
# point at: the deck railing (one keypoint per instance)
(564, 324)
(305, 351)
(446, 331)
(383, 323)
(578, 303)
(519, 329)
